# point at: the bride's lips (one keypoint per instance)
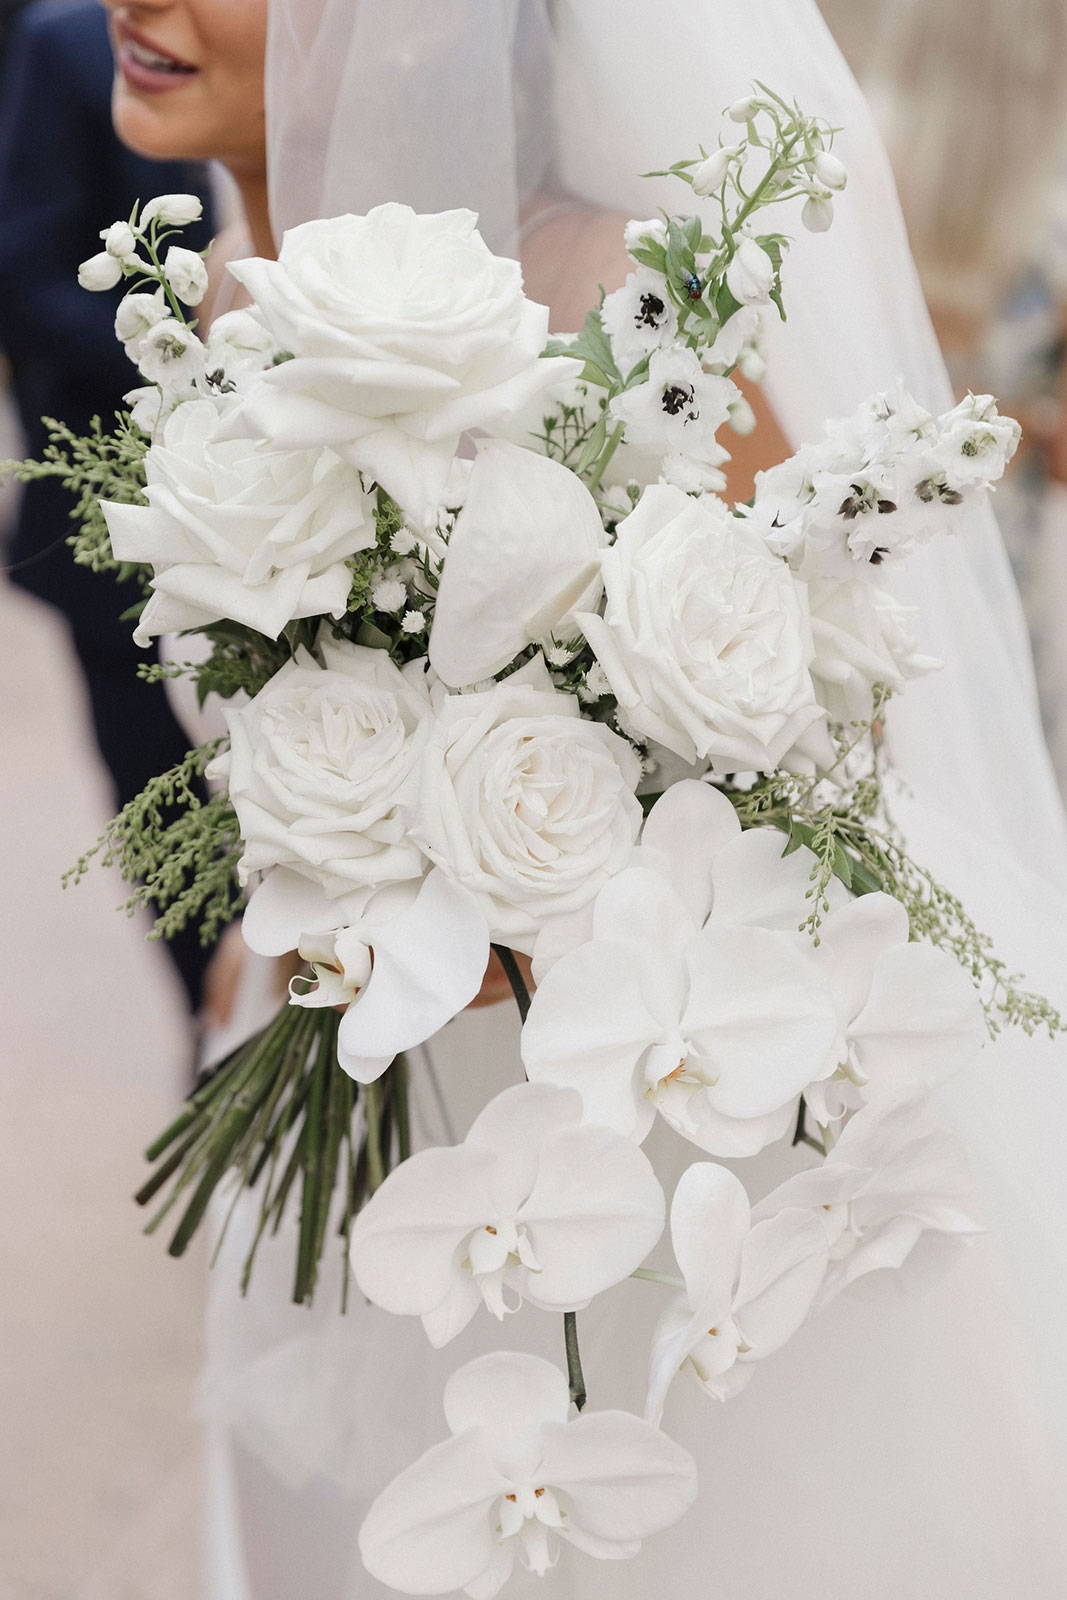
(147, 66)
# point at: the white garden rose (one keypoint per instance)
(234, 528)
(525, 803)
(705, 638)
(406, 332)
(863, 636)
(322, 762)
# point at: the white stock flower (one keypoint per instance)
(893, 1174)
(515, 1479)
(120, 241)
(171, 210)
(170, 354)
(523, 553)
(750, 273)
(524, 802)
(322, 762)
(407, 332)
(186, 273)
(749, 1285)
(413, 959)
(677, 411)
(863, 637)
(706, 1010)
(705, 636)
(100, 272)
(236, 529)
(533, 1205)
(906, 1008)
(639, 318)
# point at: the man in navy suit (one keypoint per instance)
(64, 176)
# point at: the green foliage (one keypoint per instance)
(179, 852)
(93, 467)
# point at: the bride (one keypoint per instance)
(909, 1443)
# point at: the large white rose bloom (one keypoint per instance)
(237, 529)
(321, 764)
(525, 803)
(406, 331)
(705, 638)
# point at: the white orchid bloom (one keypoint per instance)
(533, 1205)
(524, 553)
(515, 1479)
(716, 1027)
(893, 1174)
(413, 957)
(906, 1009)
(748, 1285)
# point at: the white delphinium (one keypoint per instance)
(975, 443)
(748, 1284)
(893, 1174)
(171, 355)
(750, 274)
(100, 272)
(705, 636)
(237, 345)
(639, 318)
(535, 1204)
(525, 802)
(236, 529)
(517, 1477)
(120, 241)
(186, 274)
(138, 314)
(707, 174)
(676, 412)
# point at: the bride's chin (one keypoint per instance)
(162, 127)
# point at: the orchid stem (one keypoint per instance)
(575, 1375)
(513, 973)
(657, 1277)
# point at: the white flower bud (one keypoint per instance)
(101, 271)
(145, 407)
(119, 241)
(708, 174)
(752, 364)
(172, 210)
(818, 213)
(413, 622)
(750, 274)
(137, 313)
(830, 172)
(744, 110)
(186, 274)
(389, 595)
(742, 416)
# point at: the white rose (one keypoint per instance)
(186, 273)
(406, 331)
(171, 355)
(172, 210)
(705, 638)
(101, 271)
(526, 804)
(862, 637)
(321, 765)
(750, 275)
(235, 529)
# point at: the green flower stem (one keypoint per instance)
(647, 1274)
(513, 973)
(604, 461)
(403, 1108)
(575, 1375)
(372, 1110)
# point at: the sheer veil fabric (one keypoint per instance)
(910, 1442)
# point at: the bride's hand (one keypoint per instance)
(495, 986)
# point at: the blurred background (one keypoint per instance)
(100, 1341)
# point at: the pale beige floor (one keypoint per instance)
(99, 1329)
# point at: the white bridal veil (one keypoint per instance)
(903, 1446)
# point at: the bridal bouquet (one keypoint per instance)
(501, 668)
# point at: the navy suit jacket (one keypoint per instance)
(64, 176)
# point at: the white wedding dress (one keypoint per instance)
(909, 1444)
